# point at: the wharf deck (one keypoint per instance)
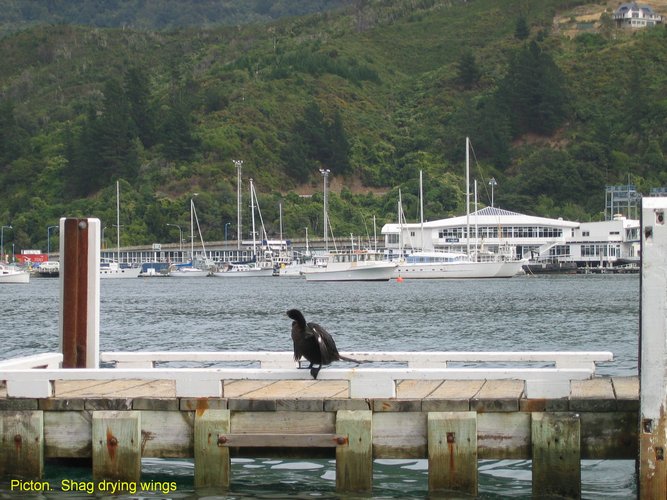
(596, 394)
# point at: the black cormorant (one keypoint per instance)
(313, 343)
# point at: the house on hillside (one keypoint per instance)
(632, 15)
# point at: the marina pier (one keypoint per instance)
(451, 408)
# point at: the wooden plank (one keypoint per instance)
(240, 388)
(556, 455)
(283, 422)
(626, 387)
(457, 389)
(592, 395)
(503, 435)
(399, 435)
(21, 444)
(270, 440)
(76, 388)
(167, 434)
(416, 389)
(498, 395)
(354, 462)
(609, 435)
(67, 434)
(452, 452)
(116, 442)
(212, 462)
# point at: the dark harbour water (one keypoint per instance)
(573, 312)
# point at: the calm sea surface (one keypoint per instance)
(573, 312)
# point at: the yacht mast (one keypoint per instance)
(118, 223)
(468, 194)
(325, 174)
(252, 211)
(192, 231)
(239, 164)
(421, 209)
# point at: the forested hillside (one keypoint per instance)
(375, 91)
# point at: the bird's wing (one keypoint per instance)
(325, 342)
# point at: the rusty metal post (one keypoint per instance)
(80, 292)
(653, 350)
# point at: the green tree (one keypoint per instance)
(533, 92)
(468, 73)
(521, 28)
(137, 92)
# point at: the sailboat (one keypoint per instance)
(189, 270)
(357, 265)
(114, 269)
(423, 264)
(259, 268)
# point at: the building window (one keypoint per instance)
(392, 239)
(585, 233)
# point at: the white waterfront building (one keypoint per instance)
(540, 239)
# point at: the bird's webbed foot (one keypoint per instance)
(314, 371)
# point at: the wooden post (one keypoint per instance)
(116, 440)
(80, 292)
(212, 462)
(354, 460)
(452, 452)
(556, 455)
(21, 444)
(653, 350)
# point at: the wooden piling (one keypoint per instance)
(354, 461)
(452, 452)
(212, 462)
(556, 455)
(116, 440)
(653, 350)
(21, 444)
(80, 292)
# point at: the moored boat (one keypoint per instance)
(48, 269)
(448, 265)
(114, 270)
(244, 270)
(360, 265)
(12, 274)
(154, 270)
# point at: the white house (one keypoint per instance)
(633, 15)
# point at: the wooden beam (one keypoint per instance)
(653, 350)
(116, 440)
(452, 452)
(80, 292)
(21, 444)
(354, 461)
(212, 462)
(556, 455)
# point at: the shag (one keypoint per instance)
(313, 343)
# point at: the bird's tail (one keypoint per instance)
(351, 360)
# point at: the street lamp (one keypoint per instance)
(48, 241)
(2, 241)
(180, 236)
(103, 245)
(227, 224)
(493, 183)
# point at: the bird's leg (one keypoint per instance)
(315, 371)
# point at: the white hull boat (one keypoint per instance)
(188, 272)
(356, 266)
(244, 271)
(10, 274)
(112, 270)
(440, 265)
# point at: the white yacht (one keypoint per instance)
(443, 265)
(360, 265)
(12, 274)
